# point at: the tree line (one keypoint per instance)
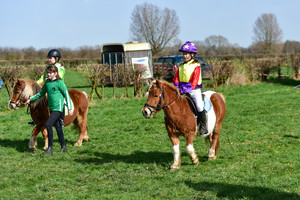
(207, 49)
(160, 27)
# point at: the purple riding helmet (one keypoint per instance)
(188, 47)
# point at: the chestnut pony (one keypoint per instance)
(25, 88)
(180, 120)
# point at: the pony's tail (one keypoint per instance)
(85, 94)
(222, 96)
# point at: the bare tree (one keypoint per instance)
(218, 45)
(267, 32)
(291, 47)
(153, 25)
(217, 40)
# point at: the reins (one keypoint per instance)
(159, 107)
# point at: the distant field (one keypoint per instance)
(129, 156)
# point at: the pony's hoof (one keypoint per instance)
(77, 144)
(196, 162)
(31, 149)
(174, 167)
(212, 158)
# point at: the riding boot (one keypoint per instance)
(63, 148)
(49, 151)
(203, 120)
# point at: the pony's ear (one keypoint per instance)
(158, 83)
(20, 81)
(151, 82)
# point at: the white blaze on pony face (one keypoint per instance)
(146, 110)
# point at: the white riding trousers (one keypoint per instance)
(197, 97)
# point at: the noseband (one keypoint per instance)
(19, 99)
(159, 107)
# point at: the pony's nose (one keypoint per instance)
(146, 113)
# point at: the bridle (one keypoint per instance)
(19, 99)
(158, 107)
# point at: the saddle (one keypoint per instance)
(206, 102)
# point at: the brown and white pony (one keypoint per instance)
(180, 120)
(25, 88)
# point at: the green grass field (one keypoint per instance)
(129, 156)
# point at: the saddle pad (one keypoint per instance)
(207, 104)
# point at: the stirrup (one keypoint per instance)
(203, 130)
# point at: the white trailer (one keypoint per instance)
(128, 53)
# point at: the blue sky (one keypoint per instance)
(75, 23)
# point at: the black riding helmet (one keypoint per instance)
(54, 53)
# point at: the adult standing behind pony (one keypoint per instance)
(56, 91)
(188, 80)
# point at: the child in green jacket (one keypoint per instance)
(56, 93)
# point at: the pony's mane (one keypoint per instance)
(31, 89)
(170, 85)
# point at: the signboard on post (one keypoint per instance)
(144, 63)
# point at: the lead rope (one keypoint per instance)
(28, 111)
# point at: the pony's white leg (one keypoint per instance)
(176, 154)
(211, 154)
(33, 142)
(46, 144)
(191, 151)
(45, 136)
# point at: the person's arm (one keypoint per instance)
(38, 95)
(176, 79)
(42, 79)
(61, 73)
(194, 80)
(63, 89)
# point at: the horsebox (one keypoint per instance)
(128, 53)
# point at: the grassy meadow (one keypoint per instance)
(129, 156)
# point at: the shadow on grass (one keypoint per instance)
(22, 145)
(19, 145)
(291, 136)
(137, 157)
(230, 191)
(284, 81)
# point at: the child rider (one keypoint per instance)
(188, 80)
